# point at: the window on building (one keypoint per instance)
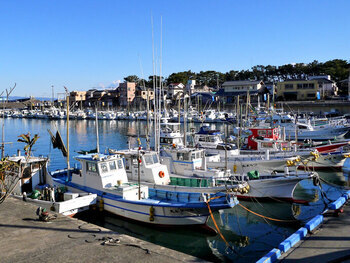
(310, 95)
(289, 86)
(305, 85)
(299, 86)
(311, 85)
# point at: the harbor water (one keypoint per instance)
(252, 228)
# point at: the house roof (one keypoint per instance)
(324, 80)
(241, 82)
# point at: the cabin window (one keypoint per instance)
(155, 158)
(198, 155)
(180, 156)
(120, 164)
(104, 167)
(302, 127)
(269, 132)
(262, 133)
(148, 159)
(91, 167)
(112, 166)
(211, 139)
(187, 156)
(201, 139)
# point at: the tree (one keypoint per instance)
(181, 77)
(132, 78)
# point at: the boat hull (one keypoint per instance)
(247, 164)
(281, 188)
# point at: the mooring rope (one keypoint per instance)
(266, 217)
(215, 224)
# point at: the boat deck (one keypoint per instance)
(25, 239)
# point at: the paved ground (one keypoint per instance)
(330, 243)
(23, 238)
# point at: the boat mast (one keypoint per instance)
(154, 90)
(67, 101)
(97, 135)
(160, 87)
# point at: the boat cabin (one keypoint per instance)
(100, 171)
(151, 170)
(170, 135)
(179, 160)
(33, 169)
(261, 133)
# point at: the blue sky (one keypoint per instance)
(85, 44)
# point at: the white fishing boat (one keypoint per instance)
(185, 163)
(151, 172)
(33, 188)
(279, 186)
(295, 130)
(312, 155)
(105, 176)
(182, 161)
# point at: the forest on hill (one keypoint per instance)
(338, 69)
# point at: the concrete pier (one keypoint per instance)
(329, 243)
(23, 238)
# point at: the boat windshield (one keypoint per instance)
(91, 167)
(104, 167)
(151, 159)
(148, 159)
(120, 164)
(155, 158)
(112, 166)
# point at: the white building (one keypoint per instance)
(174, 88)
(327, 87)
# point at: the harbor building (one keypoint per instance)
(315, 87)
(173, 89)
(127, 93)
(231, 89)
(301, 89)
